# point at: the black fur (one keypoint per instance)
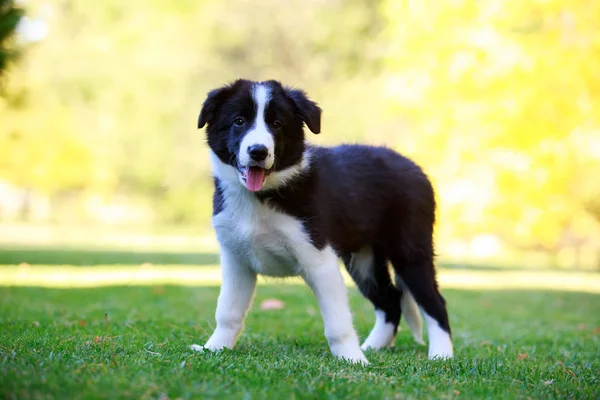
(350, 197)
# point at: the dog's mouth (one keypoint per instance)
(254, 177)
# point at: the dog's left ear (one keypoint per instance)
(308, 110)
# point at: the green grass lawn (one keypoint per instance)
(58, 343)
(132, 341)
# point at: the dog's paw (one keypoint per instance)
(197, 347)
(378, 340)
(358, 359)
(209, 347)
(351, 353)
(206, 347)
(443, 354)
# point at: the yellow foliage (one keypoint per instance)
(498, 101)
(515, 82)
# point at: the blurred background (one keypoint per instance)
(499, 102)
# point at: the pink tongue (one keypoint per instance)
(255, 178)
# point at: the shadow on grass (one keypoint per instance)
(90, 257)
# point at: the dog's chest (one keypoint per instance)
(269, 241)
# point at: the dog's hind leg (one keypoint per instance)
(416, 271)
(368, 268)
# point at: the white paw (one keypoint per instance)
(382, 335)
(379, 339)
(440, 347)
(207, 347)
(441, 355)
(376, 346)
(355, 359)
(441, 350)
(197, 347)
(349, 352)
(440, 343)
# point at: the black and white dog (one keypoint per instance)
(282, 207)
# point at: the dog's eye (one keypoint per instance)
(239, 121)
(277, 124)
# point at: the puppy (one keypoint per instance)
(282, 207)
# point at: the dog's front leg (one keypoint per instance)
(237, 291)
(327, 283)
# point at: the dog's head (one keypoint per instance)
(256, 129)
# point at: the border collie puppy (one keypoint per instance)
(282, 207)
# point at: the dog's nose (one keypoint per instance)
(258, 152)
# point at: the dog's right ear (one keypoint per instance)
(210, 107)
(214, 101)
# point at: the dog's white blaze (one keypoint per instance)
(258, 239)
(259, 133)
(440, 343)
(382, 334)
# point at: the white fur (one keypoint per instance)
(410, 311)
(322, 273)
(259, 239)
(277, 179)
(382, 335)
(263, 238)
(235, 298)
(440, 343)
(259, 134)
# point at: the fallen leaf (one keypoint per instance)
(597, 329)
(36, 324)
(568, 370)
(548, 382)
(159, 290)
(97, 339)
(82, 323)
(456, 392)
(272, 304)
(522, 356)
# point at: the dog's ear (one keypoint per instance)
(213, 102)
(307, 110)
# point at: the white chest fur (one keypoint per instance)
(272, 243)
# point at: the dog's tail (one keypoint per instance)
(411, 312)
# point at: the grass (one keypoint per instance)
(132, 341)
